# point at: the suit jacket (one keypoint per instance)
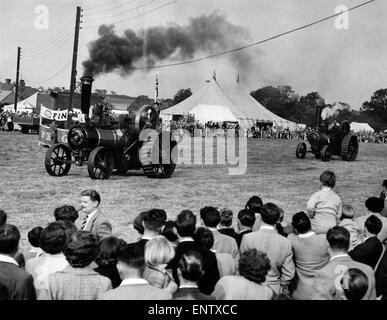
(99, 225)
(136, 292)
(368, 252)
(382, 235)
(226, 264)
(210, 265)
(3, 292)
(228, 232)
(75, 284)
(240, 235)
(381, 277)
(278, 250)
(327, 279)
(190, 294)
(111, 272)
(225, 244)
(18, 283)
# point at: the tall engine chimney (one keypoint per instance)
(86, 94)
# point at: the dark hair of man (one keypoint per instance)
(254, 204)
(210, 216)
(154, 220)
(357, 284)
(226, 217)
(246, 217)
(254, 265)
(3, 217)
(301, 222)
(133, 256)
(94, 195)
(109, 248)
(191, 265)
(81, 249)
(384, 184)
(66, 213)
(34, 236)
(373, 224)
(9, 239)
(53, 238)
(338, 238)
(137, 223)
(328, 179)
(374, 204)
(167, 231)
(186, 223)
(270, 213)
(68, 227)
(204, 237)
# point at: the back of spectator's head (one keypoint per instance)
(34, 236)
(270, 213)
(373, 224)
(254, 204)
(81, 249)
(328, 179)
(190, 266)
(138, 222)
(225, 217)
(375, 205)
(246, 217)
(301, 222)
(154, 220)
(132, 256)
(108, 251)
(355, 284)
(338, 238)
(9, 239)
(158, 251)
(204, 237)
(384, 184)
(186, 223)
(68, 227)
(210, 216)
(347, 212)
(254, 265)
(66, 213)
(3, 217)
(53, 238)
(167, 231)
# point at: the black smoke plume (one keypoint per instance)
(206, 35)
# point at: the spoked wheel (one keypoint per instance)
(100, 163)
(58, 160)
(301, 150)
(349, 148)
(326, 153)
(159, 166)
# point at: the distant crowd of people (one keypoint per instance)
(372, 137)
(325, 253)
(7, 118)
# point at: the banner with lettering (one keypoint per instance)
(58, 115)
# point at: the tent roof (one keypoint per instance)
(221, 101)
(358, 126)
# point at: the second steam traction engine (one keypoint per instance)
(136, 146)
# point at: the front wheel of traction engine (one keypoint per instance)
(157, 161)
(301, 150)
(100, 164)
(349, 147)
(58, 160)
(326, 153)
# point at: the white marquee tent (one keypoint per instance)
(26, 105)
(357, 126)
(219, 101)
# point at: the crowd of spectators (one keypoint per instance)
(325, 253)
(372, 136)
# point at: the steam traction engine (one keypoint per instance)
(327, 140)
(137, 146)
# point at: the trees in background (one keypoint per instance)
(181, 95)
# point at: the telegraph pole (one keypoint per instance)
(17, 77)
(74, 65)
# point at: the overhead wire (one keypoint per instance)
(54, 75)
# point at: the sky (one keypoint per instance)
(345, 65)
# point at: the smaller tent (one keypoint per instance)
(357, 126)
(27, 105)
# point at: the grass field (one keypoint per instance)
(29, 195)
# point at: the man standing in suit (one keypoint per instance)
(131, 265)
(326, 284)
(210, 217)
(94, 221)
(369, 252)
(277, 248)
(19, 285)
(185, 230)
(246, 220)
